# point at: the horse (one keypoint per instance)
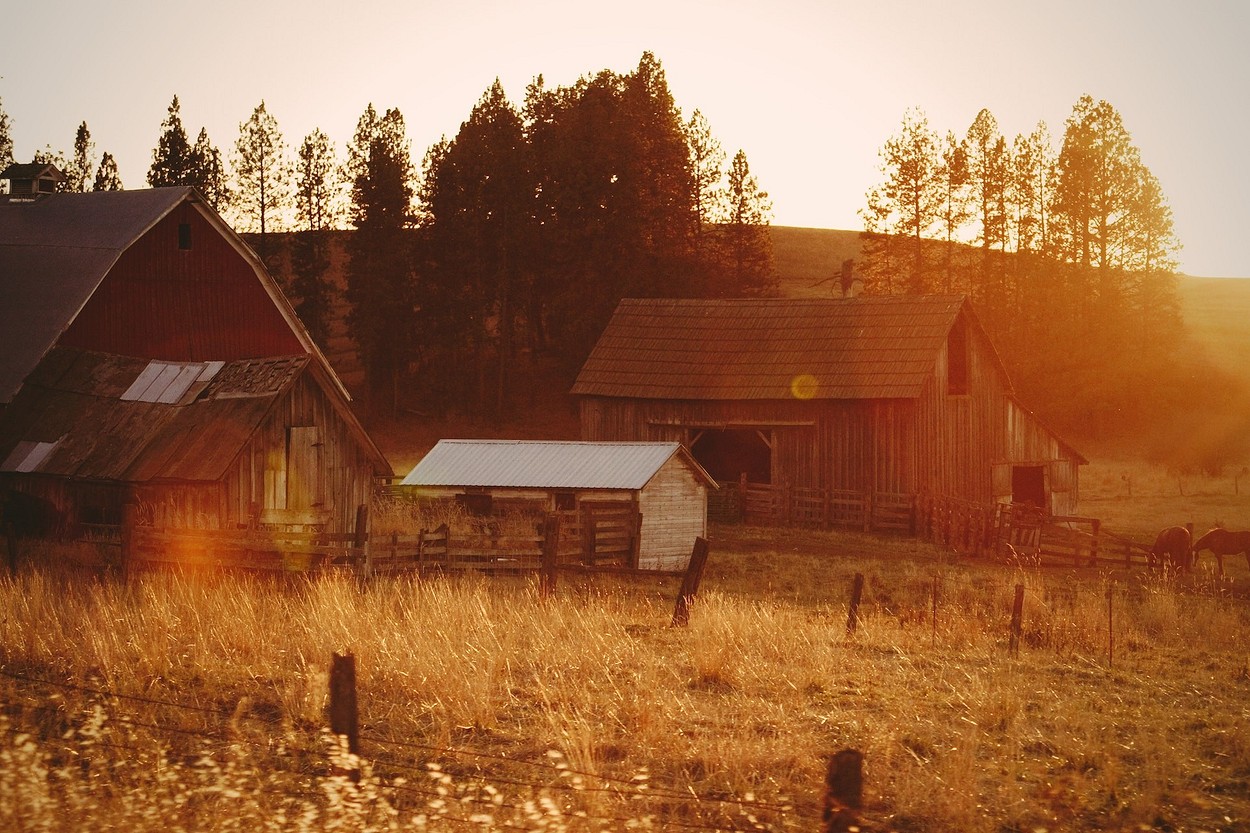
(1221, 542)
(1173, 543)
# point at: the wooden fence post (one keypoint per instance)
(360, 542)
(1017, 621)
(690, 583)
(344, 716)
(857, 590)
(551, 552)
(844, 792)
(1095, 546)
(867, 511)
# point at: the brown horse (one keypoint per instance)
(1173, 543)
(1221, 542)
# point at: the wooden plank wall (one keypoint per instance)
(674, 514)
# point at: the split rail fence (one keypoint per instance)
(1015, 532)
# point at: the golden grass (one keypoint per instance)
(747, 701)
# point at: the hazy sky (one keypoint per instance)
(810, 90)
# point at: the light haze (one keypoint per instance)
(809, 90)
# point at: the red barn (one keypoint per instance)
(146, 355)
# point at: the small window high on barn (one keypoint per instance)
(184, 236)
(957, 359)
(566, 501)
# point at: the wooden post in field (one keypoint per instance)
(1094, 546)
(551, 552)
(690, 583)
(130, 519)
(344, 717)
(1017, 621)
(852, 617)
(360, 543)
(844, 792)
(1110, 629)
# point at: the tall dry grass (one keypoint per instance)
(739, 709)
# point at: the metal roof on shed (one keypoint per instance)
(546, 464)
(875, 347)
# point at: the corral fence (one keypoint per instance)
(605, 538)
(1016, 532)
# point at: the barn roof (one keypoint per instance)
(104, 417)
(547, 464)
(57, 248)
(869, 347)
(54, 251)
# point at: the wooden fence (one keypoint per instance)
(606, 538)
(1020, 533)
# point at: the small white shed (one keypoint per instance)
(661, 482)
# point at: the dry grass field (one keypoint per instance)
(198, 703)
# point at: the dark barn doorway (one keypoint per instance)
(1028, 485)
(729, 452)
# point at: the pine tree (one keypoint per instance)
(747, 242)
(317, 209)
(207, 172)
(955, 209)
(6, 141)
(261, 173)
(380, 280)
(906, 206)
(318, 184)
(106, 176)
(171, 159)
(78, 170)
(706, 165)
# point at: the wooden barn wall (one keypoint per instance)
(1030, 442)
(200, 304)
(260, 472)
(674, 513)
(74, 502)
(862, 445)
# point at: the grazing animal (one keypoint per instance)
(1172, 543)
(1221, 542)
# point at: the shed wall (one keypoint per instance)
(674, 513)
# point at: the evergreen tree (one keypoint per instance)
(78, 174)
(318, 183)
(208, 173)
(476, 208)
(706, 161)
(6, 138)
(906, 205)
(261, 173)
(380, 279)
(955, 210)
(172, 160)
(106, 176)
(317, 209)
(748, 244)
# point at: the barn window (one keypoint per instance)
(184, 236)
(1028, 485)
(957, 359)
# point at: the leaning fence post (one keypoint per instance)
(690, 583)
(360, 542)
(1017, 621)
(551, 551)
(857, 590)
(844, 792)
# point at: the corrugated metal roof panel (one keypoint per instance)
(867, 347)
(541, 464)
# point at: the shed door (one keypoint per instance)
(305, 481)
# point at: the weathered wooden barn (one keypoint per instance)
(658, 483)
(901, 395)
(147, 356)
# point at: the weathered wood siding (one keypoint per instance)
(940, 443)
(297, 475)
(674, 513)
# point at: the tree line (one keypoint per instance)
(1069, 256)
(517, 236)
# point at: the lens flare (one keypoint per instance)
(804, 386)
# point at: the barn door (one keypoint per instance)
(305, 475)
